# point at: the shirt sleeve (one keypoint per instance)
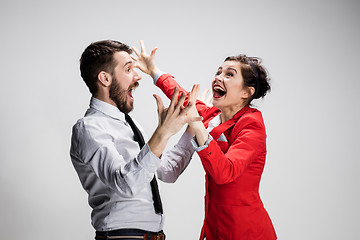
(118, 163)
(174, 161)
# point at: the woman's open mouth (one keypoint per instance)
(218, 91)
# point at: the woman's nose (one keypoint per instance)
(218, 78)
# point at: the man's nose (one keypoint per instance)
(137, 76)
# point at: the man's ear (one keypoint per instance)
(104, 78)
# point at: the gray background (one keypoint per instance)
(310, 48)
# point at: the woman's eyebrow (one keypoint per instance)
(232, 69)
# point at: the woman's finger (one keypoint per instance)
(136, 51)
(142, 46)
(208, 100)
(153, 52)
(204, 94)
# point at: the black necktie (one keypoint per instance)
(154, 186)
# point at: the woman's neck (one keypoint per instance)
(229, 113)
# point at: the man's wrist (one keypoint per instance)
(158, 141)
(162, 133)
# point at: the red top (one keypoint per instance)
(233, 166)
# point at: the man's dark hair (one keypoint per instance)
(97, 57)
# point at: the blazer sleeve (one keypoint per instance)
(248, 145)
(167, 84)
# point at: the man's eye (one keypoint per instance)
(128, 70)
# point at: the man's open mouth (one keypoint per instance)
(132, 88)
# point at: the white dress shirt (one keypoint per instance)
(116, 173)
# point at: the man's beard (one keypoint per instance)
(119, 96)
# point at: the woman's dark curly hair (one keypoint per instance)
(254, 75)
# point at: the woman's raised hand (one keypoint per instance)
(145, 62)
(206, 99)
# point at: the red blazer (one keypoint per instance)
(233, 166)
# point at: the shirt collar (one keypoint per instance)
(107, 109)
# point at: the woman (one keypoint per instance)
(231, 143)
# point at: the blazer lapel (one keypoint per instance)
(217, 131)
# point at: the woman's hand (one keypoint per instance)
(145, 62)
(206, 99)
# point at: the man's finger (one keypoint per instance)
(180, 102)
(159, 103)
(174, 98)
(186, 108)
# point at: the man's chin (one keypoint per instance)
(129, 107)
(125, 107)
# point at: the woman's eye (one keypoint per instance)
(230, 74)
(217, 73)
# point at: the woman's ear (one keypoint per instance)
(248, 93)
(252, 91)
(104, 78)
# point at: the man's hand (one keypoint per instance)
(171, 120)
(193, 111)
(145, 62)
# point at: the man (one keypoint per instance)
(115, 165)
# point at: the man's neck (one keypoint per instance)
(103, 98)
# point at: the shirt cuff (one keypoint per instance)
(157, 75)
(200, 148)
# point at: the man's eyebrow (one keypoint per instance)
(129, 62)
